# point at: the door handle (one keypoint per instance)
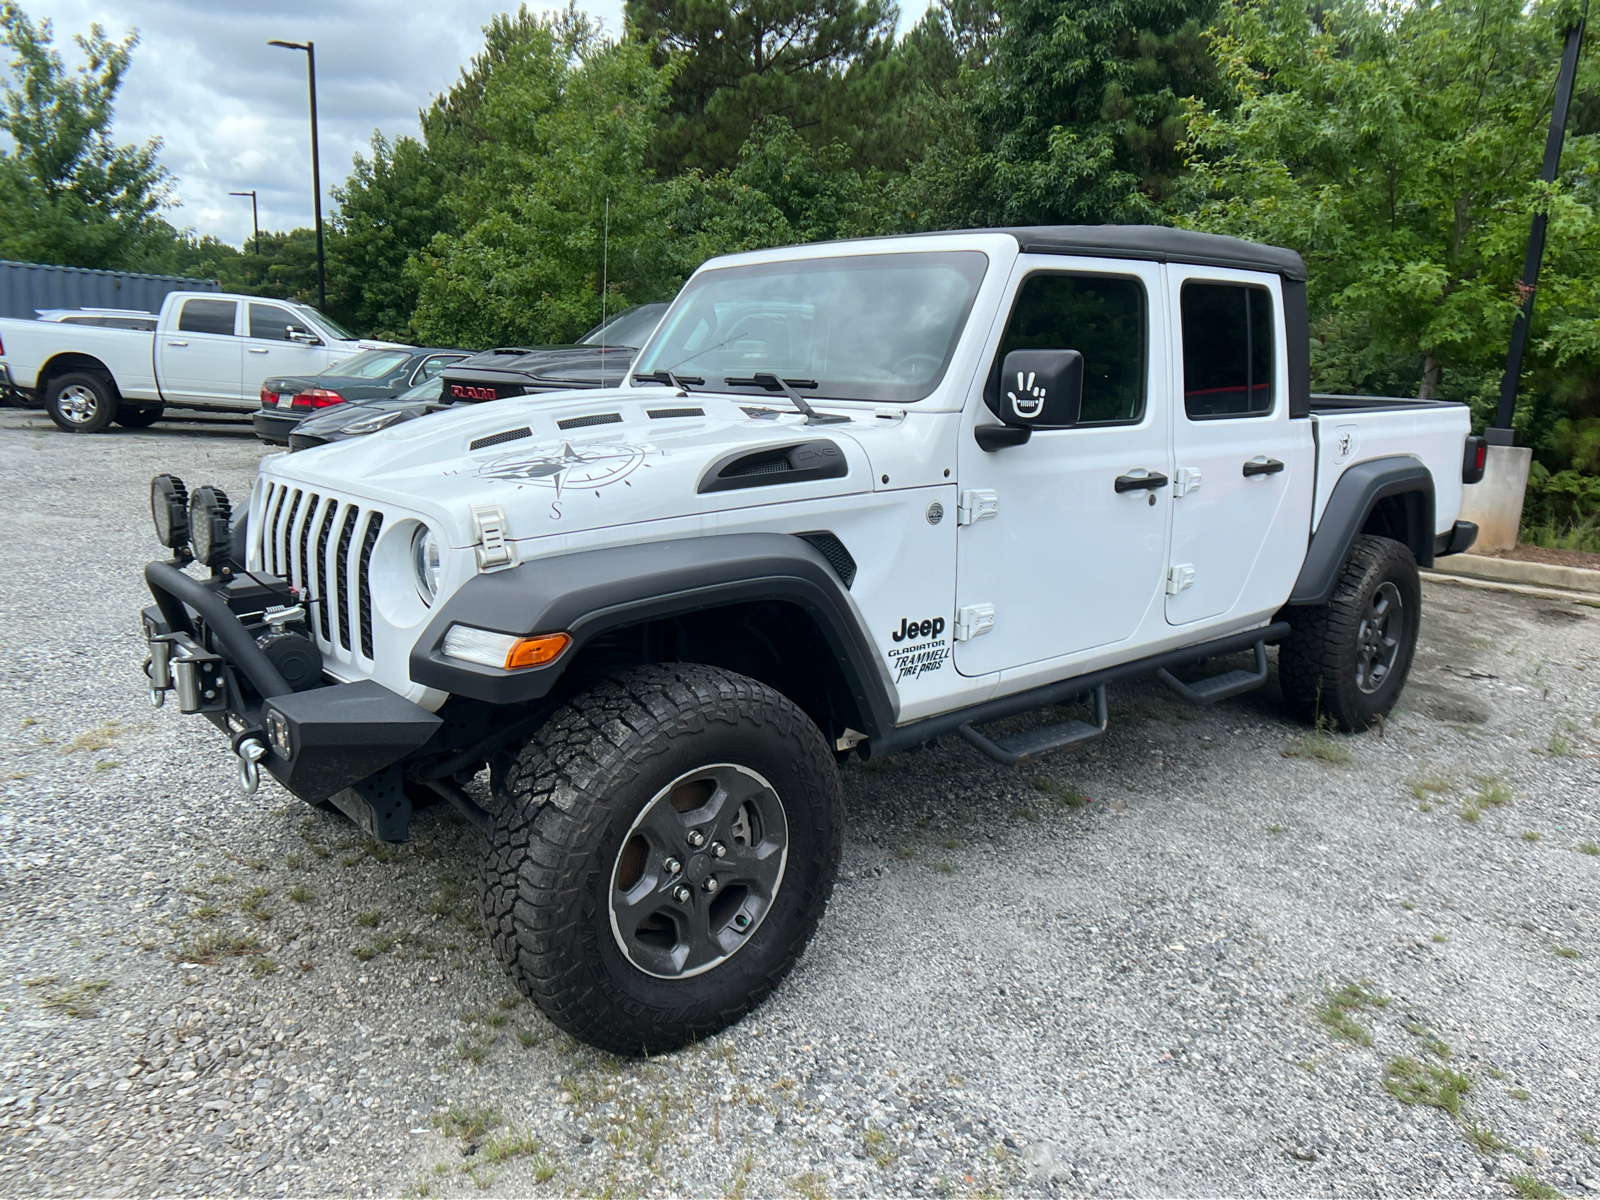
(1132, 483)
(177, 343)
(255, 349)
(1269, 466)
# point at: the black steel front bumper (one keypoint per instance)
(342, 742)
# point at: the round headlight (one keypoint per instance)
(209, 518)
(169, 509)
(427, 561)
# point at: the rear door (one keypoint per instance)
(1243, 468)
(200, 355)
(268, 350)
(1052, 559)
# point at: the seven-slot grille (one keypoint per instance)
(323, 546)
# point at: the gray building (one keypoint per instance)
(25, 288)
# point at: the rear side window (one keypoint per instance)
(1102, 317)
(207, 316)
(432, 365)
(271, 322)
(1227, 350)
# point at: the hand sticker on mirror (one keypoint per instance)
(1030, 403)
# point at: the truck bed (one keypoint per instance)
(1351, 429)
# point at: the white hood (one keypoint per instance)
(626, 456)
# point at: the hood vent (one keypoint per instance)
(496, 439)
(585, 422)
(662, 414)
(776, 464)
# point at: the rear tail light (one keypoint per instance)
(268, 399)
(316, 398)
(1473, 458)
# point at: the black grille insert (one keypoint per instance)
(663, 414)
(341, 572)
(364, 581)
(322, 568)
(585, 422)
(305, 541)
(498, 439)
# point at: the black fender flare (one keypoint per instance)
(1354, 498)
(591, 592)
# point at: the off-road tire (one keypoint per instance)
(568, 802)
(134, 416)
(1318, 662)
(81, 402)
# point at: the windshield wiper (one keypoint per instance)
(772, 383)
(681, 382)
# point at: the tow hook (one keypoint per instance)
(251, 751)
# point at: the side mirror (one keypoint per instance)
(304, 336)
(1041, 389)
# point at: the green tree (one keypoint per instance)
(737, 62)
(564, 120)
(1397, 147)
(390, 208)
(1071, 112)
(69, 194)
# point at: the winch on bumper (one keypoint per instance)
(235, 649)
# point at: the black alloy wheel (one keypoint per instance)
(1378, 637)
(698, 871)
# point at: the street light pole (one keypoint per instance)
(316, 159)
(255, 220)
(1500, 433)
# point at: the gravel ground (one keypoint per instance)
(1201, 957)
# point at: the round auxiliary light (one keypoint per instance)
(169, 509)
(209, 517)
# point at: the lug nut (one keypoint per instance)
(710, 884)
(718, 850)
(680, 894)
(696, 838)
(672, 866)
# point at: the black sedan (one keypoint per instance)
(600, 359)
(369, 375)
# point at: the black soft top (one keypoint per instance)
(1157, 243)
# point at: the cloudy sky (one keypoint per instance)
(231, 110)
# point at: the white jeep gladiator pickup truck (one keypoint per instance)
(856, 496)
(209, 351)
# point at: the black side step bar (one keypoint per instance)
(1036, 743)
(918, 733)
(1219, 687)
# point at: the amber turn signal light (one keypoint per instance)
(536, 651)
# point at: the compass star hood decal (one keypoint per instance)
(628, 468)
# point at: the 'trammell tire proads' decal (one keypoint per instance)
(916, 658)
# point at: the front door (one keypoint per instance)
(268, 350)
(200, 359)
(1243, 474)
(1052, 558)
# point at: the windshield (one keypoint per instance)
(630, 327)
(327, 322)
(865, 327)
(369, 364)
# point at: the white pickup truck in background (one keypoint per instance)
(209, 351)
